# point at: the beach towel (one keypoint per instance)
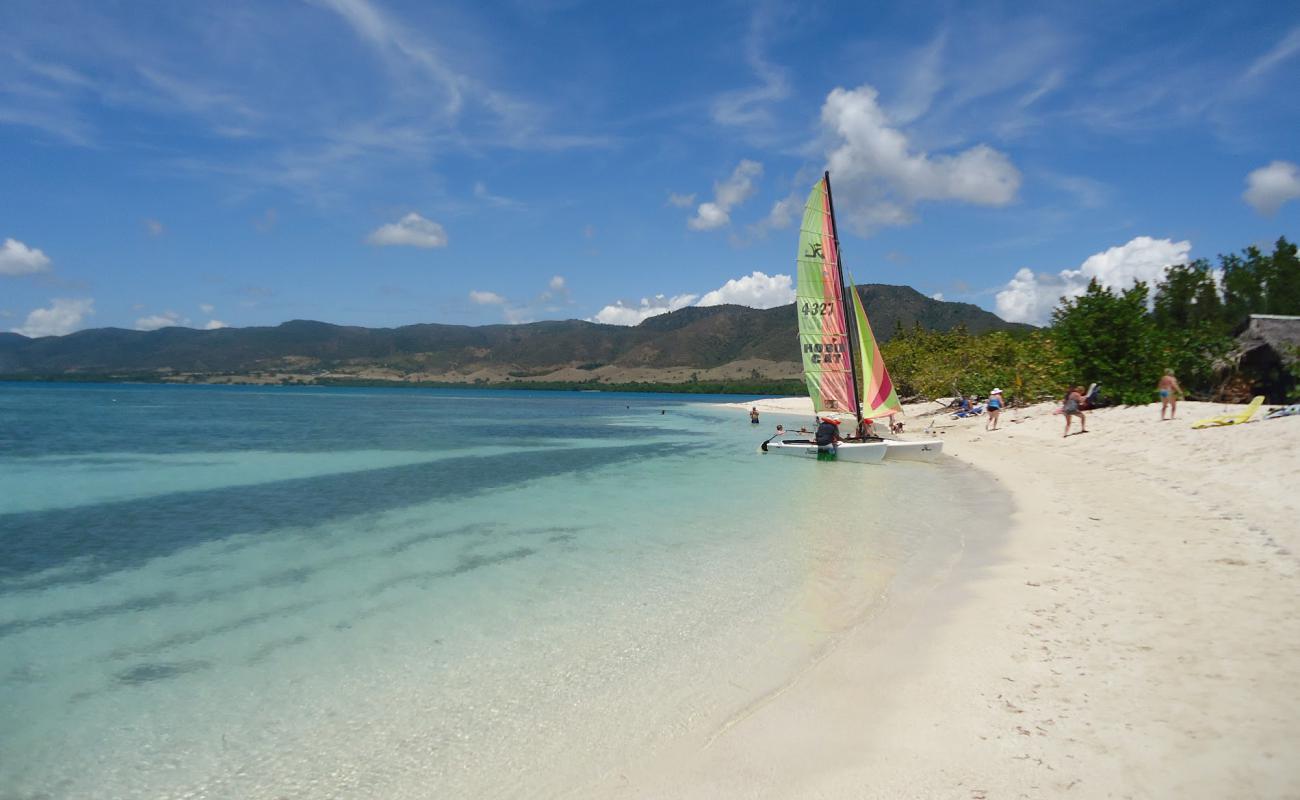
(1236, 418)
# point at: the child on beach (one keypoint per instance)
(994, 407)
(1169, 391)
(1072, 408)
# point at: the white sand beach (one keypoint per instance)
(1135, 634)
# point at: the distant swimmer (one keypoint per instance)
(753, 415)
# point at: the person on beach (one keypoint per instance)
(895, 427)
(1169, 393)
(1073, 408)
(753, 415)
(994, 408)
(828, 435)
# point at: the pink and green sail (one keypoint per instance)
(823, 329)
(878, 396)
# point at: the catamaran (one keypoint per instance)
(842, 365)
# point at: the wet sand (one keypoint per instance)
(1134, 634)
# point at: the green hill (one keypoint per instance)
(659, 348)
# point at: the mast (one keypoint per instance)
(846, 302)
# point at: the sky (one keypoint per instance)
(389, 162)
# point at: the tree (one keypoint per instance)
(1187, 296)
(1282, 279)
(1110, 339)
(1243, 288)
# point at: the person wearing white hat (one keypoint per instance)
(994, 407)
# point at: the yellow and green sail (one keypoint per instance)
(823, 330)
(878, 396)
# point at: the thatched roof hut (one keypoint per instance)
(1268, 349)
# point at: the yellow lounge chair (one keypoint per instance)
(1236, 418)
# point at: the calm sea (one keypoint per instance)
(238, 592)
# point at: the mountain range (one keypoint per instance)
(695, 343)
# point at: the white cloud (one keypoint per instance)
(411, 230)
(681, 200)
(756, 290)
(63, 316)
(880, 176)
(727, 195)
(207, 308)
(1030, 297)
(937, 296)
(167, 319)
(486, 298)
(215, 324)
(17, 258)
(556, 283)
(154, 227)
(1267, 188)
(622, 314)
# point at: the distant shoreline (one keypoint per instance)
(785, 388)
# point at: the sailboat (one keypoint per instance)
(842, 364)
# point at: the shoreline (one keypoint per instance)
(1132, 633)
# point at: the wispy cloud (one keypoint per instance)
(1284, 50)
(727, 194)
(752, 106)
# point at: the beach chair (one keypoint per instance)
(1235, 418)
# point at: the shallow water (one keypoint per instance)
(249, 592)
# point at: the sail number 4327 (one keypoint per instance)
(817, 309)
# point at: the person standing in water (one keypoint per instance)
(828, 436)
(753, 415)
(994, 407)
(1169, 393)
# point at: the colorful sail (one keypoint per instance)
(878, 396)
(823, 331)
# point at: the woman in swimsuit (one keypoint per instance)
(1071, 409)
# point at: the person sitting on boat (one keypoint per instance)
(866, 430)
(828, 435)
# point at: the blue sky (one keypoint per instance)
(382, 162)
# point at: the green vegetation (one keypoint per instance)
(1110, 337)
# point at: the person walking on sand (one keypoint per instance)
(1073, 408)
(1169, 393)
(994, 407)
(753, 415)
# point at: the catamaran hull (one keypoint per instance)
(913, 449)
(857, 452)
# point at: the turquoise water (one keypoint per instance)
(299, 593)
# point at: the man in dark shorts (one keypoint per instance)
(828, 435)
